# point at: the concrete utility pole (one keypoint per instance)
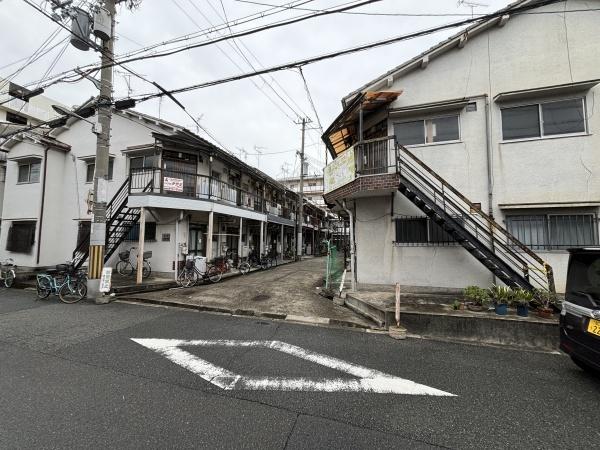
(300, 218)
(98, 231)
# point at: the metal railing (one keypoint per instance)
(478, 224)
(184, 184)
(375, 156)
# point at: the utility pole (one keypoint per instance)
(98, 229)
(300, 216)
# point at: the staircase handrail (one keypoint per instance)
(486, 219)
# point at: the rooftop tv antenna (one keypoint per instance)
(472, 5)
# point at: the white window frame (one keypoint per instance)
(144, 160)
(541, 120)
(93, 162)
(424, 119)
(29, 163)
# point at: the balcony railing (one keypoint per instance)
(184, 184)
(375, 156)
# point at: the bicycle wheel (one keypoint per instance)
(124, 268)
(10, 278)
(43, 288)
(244, 268)
(146, 269)
(72, 291)
(214, 274)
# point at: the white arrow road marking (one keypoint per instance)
(368, 380)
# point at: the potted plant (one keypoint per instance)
(522, 298)
(477, 298)
(545, 300)
(501, 297)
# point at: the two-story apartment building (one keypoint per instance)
(15, 114)
(197, 198)
(476, 161)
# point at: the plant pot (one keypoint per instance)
(522, 310)
(501, 309)
(474, 307)
(546, 313)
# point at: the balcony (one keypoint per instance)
(368, 168)
(185, 185)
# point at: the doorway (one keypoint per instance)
(197, 240)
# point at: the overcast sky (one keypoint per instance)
(239, 114)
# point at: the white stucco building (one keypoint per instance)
(504, 112)
(198, 199)
(16, 114)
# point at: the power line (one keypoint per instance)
(239, 34)
(231, 59)
(113, 62)
(235, 22)
(384, 42)
(241, 53)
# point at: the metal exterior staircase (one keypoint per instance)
(500, 252)
(120, 219)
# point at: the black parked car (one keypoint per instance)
(580, 316)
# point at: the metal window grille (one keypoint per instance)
(554, 231)
(421, 232)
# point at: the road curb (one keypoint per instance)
(293, 318)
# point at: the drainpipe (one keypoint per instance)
(352, 263)
(489, 163)
(489, 158)
(39, 246)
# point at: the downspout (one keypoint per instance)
(489, 163)
(489, 157)
(39, 246)
(352, 262)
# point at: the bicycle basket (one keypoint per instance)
(189, 264)
(147, 255)
(124, 256)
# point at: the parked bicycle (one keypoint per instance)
(255, 261)
(190, 275)
(7, 272)
(234, 260)
(69, 284)
(126, 268)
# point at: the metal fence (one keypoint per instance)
(419, 231)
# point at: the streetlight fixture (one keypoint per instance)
(96, 127)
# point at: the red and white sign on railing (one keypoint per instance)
(173, 184)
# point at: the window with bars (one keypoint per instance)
(149, 234)
(421, 231)
(21, 236)
(554, 231)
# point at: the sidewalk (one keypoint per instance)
(283, 292)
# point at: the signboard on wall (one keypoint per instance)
(341, 171)
(173, 184)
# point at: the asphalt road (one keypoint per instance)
(71, 377)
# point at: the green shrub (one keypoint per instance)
(501, 295)
(476, 295)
